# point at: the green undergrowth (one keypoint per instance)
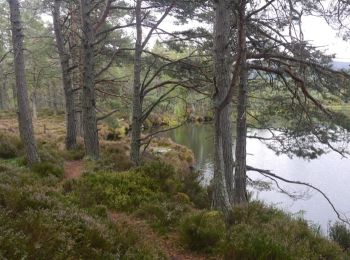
(37, 221)
(263, 232)
(12, 152)
(203, 231)
(258, 232)
(154, 192)
(113, 158)
(10, 146)
(340, 233)
(44, 216)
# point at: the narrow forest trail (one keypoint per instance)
(73, 169)
(169, 244)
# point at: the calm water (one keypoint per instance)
(329, 172)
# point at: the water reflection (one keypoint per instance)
(199, 138)
(329, 172)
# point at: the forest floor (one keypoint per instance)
(68, 207)
(73, 169)
(168, 244)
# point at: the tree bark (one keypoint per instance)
(137, 102)
(34, 105)
(24, 117)
(88, 96)
(75, 50)
(14, 95)
(71, 138)
(3, 90)
(53, 104)
(240, 190)
(223, 158)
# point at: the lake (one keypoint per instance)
(330, 172)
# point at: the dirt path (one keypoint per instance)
(167, 244)
(73, 169)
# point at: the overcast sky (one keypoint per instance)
(319, 33)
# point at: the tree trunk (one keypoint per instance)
(49, 100)
(137, 102)
(240, 197)
(24, 118)
(71, 138)
(3, 90)
(223, 158)
(55, 100)
(14, 95)
(88, 98)
(34, 106)
(78, 71)
(53, 103)
(2, 100)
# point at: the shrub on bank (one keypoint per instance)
(203, 231)
(339, 233)
(263, 232)
(39, 221)
(153, 192)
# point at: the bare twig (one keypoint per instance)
(340, 216)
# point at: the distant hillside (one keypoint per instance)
(339, 65)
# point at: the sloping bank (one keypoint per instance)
(44, 216)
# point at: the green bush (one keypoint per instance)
(64, 233)
(150, 190)
(123, 191)
(172, 182)
(75, 154)
(163, 216)
(113, 159)
(7, 150)
(162, 174)
(204, 231)
(4, 167)
(45, 169)
(10, 146)
(158, 170)
(49, 152)
(339, 233)
(191, 186)
(247, 242)
(37, 222)
(262, 232)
